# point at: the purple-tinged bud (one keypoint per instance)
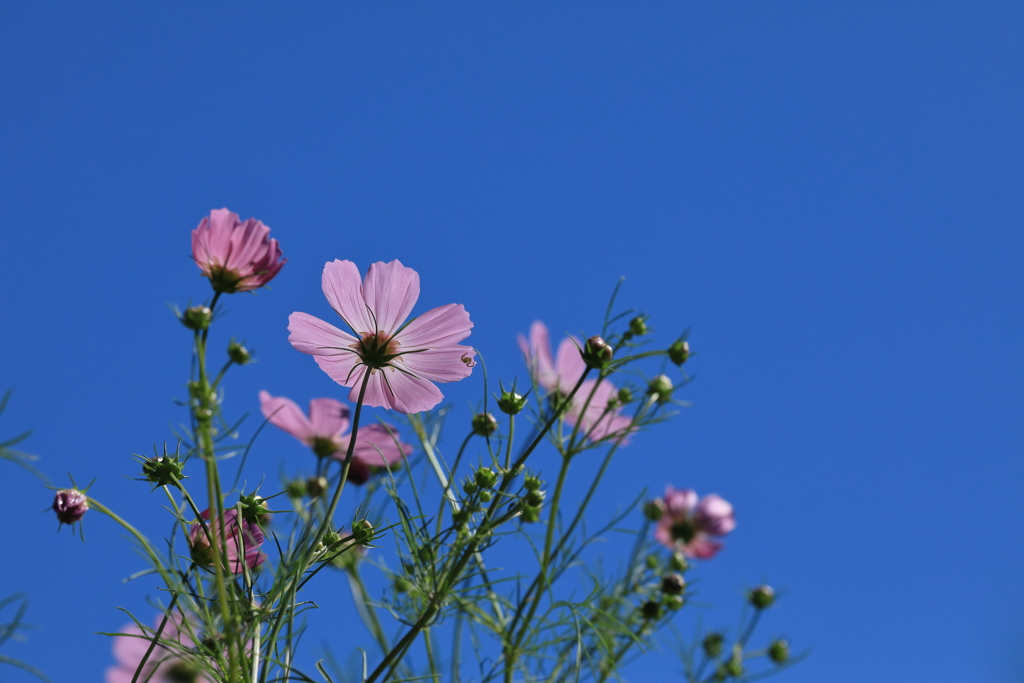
(654, 509)
(778, 651)
(358, 472)
(761, 597)
(70, 505)
(197, 317)
(679, 352)
(484, 424)
(597, 352)
(673, 584)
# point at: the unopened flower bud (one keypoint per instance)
(485, 478)
(362, 531)
(673, 602)
(358, 472)
(197, 317)
(296, 488)
(678, 562)
(651, 561)
(484, 424)
(238, 353)
(531, 482)
(679, 352)
(254, 508)
(485, 495)
(654, 509)
(734, 667)
(661, 388)
(331, 538)
(163, 471)
(638, 326)
(530, 514)
(534, 498)
(761, 597)
(778, 651)
(511, 403)
(315, 486)
(402, 584)
(70, 505)
(651, 610)
(713, 644)
(673, 584)
(470, 487)
(625, 396)
(425, 554)
(597, 352)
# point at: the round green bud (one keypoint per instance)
(197, 317)
(679, 352)
(163, 471)
(485, 478)
(530, 514)
(362, 531)
(238, 353)
(296, 488)
(673, 602)
(402, 584)
(651, 561)
(485, 495)
(254, 509)
(734, 667)
(714, 644)
(469, 486)
(484, 424)
(678, 562)
(511, 403)
(761, 597)
(638, 326)
(331, 537)
(778, 651)
(651, 610)
(661, 388)
(534, 498)
(532, 483)
(315, 486)
(425, 554)
(654, 509)
(597, 352)
(625, 396)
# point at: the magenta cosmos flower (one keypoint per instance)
(165, 665)
(237, 256)
(690, 526)
(243, 541)
(377, 445)
(404, 360)
(559, 375)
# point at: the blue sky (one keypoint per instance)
(827, 194)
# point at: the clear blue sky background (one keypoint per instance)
(829, 194)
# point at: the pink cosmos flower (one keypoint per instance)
(237, 256)
(377, 445)
(243, 541)
(403, 359)
(689, 526)
(559, 375)
(164, 665)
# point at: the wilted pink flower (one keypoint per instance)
(403, 362)
(243, 541)
(324, 430)
(559, 375)
(237, 256)
(688, 525)
(164, 665)
(70, 505)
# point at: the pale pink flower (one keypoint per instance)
(403, 361)
(243, 541)
(690, 526)
(324, 430)
(559, 374)
(165, 665)
(237, 256)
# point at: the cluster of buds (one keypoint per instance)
(479, 488)
(532, 503)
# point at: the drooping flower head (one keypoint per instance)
(70, 505)
(164, 665)
(690, 526)
(598, 419)
(404, 360)
(243, 540)
(237, 256)
(377, 445)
